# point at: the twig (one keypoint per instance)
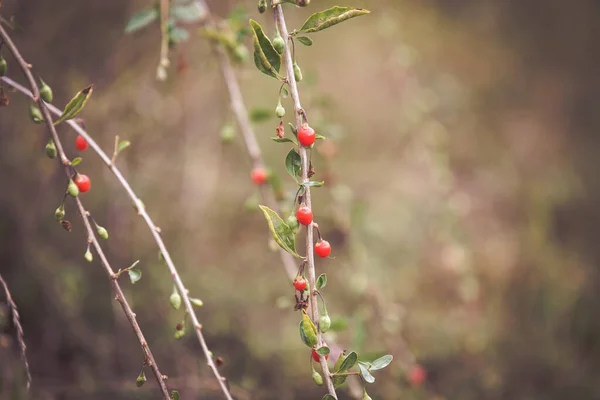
(120, 297)
(163, 63)
(19, 329)
(310, 257)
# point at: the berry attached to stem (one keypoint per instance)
(259, 175)
(83, 183)
(304, 215)
(306, 135)
(323, 248)
(300, 284)
(81, 144)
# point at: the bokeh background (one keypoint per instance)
(461, 203)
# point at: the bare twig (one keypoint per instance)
(300, 114)
(163, 63)
(120, 297)
(19, 329)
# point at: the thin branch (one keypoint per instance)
(19, 329)
(120, 297)
(163, 63)
(310, 256)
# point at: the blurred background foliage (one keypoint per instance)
(460, 201)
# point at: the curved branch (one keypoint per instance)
(120, 297)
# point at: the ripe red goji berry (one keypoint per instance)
(259, 175)
(300, 284)
(306, 135)
(315, 356)
(304, 215)
(81, 144)
(323, 248)
(83, 183)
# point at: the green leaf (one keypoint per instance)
(293, 129)
(328, 397)
(285, 93)
(321, 281)
(141, 379)
(76, 161)
(75, 105)
(266, 58)
(349, 362)
(141, 19)
(328, 18)
(177, 35)
(123, 145)
(323, 350)
(293, 164)
(189, 13)
(366, 374)
(319, 137)
(339, 324)
(135, 274)
(381, 362)
(305, 40)
(308, 331)
(258, 115)
(284, 140)
(282, 233)
(339, 380)
(314, 183)
(174, 395)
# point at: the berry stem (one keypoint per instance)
(300, 116)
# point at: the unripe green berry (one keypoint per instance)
(278, 43)
(175, 299)
(262, 6)
(241, 54)
(279, 110)
(297, 72)
(3, 66)
(324, 323)
(102, 232)
(293, 223)
(59, 214)
(227, 133)
(46, 92)
(179, 334)
(35, 114)
(51, 149)
(72, 189)
(141, 379)
(317, 377)
(88, 256)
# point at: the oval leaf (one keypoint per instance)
(323, 350)
(381, 362)
(75, 105)
(293, 164)
(321, 281)
(123, 145)
(141, 19)
(192, 12)
(135, 274)
(308, 331)
(349, 362)
(76, 161)
(284, 140)
(314, 183)
(366, 374)
(175, 395)
(266, 58)
(305, 40)
(328, 18)
(283, 234)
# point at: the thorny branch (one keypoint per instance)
(120, 297)
(310, 257)
(19, 329)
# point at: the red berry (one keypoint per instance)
(81, 144)
(417, 375)
(259, 175)
(304, 215)
(306, 135)
(315, 356)
(300, 284)
(83, 183)
(323, 248)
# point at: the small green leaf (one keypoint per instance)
(319, 137)
(339, 324)
(293, 164)
(308, 331)
(328, 397)
(366, 374)
(381, 362)
(338, 380)
(349, 362)
(321, 281)
(177, 35)
(293, 129)
(196, 302)
(141, 19)
(314, 183)
(141, 379)
(284, 140)
(135, 274)
(282, 233)
(305, 40)
(323, 350)
(258, 115)
(75, 105)
(123, 144)
(328, 18)
(284, 93)
(266, 58)
(189, 13)
(174, 395)
(76, 161)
